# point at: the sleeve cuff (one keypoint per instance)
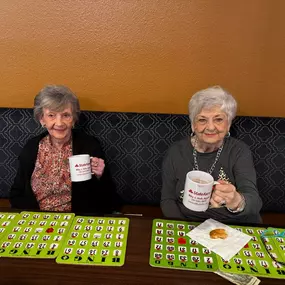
(240, 207)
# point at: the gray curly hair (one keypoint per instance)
(56, 98)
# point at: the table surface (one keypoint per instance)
(136, 269)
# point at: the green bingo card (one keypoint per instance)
(35, 235)
(171, 248)
(6, 221)
(95, 241)
(253, 258)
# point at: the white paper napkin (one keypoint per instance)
(227, 247)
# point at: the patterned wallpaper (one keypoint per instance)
(135, 144)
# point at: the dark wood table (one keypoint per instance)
(135, 271)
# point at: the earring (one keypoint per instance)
(43, 126)
(192, 134)
(228, 134)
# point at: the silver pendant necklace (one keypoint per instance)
(196, 166)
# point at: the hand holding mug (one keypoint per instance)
(225, 194)
(97, 166)
(82, 166)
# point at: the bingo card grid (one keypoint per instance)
(171, 248)
(6, 221)
(35, 235)
(253, 258)
(95, 241)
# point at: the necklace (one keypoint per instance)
(196, 166)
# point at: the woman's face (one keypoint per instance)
(211, 125)
(58, 124)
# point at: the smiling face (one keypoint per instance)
(211, 125)
(58, 124)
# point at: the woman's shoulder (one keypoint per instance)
(31, 145)
(34, 141)
(181, 145)
(79, 134)
(82, 138)
(85, 143)
(237, 144)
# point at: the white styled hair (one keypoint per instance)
(210, 97)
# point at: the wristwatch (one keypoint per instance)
(240, 207)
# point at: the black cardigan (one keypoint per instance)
(94, 196)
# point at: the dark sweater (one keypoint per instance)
(235, 163)
(94, 196)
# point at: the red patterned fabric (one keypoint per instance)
(50, 180)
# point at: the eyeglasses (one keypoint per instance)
(278, 238)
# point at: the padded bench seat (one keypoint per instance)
(135, 144)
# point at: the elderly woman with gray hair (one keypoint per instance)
(211, 149)
(43, 179)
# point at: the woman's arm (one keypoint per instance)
(112, 201)
(245, 180)
(17, 190)
(21, 195)
(168, 202)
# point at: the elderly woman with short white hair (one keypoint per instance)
(210, 148)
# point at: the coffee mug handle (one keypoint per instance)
(222, 204)
(215, 183)
(90, 164)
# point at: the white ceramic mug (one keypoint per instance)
(80, 167)
(198, 190)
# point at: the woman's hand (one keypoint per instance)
(97, 166)
(225, 194)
